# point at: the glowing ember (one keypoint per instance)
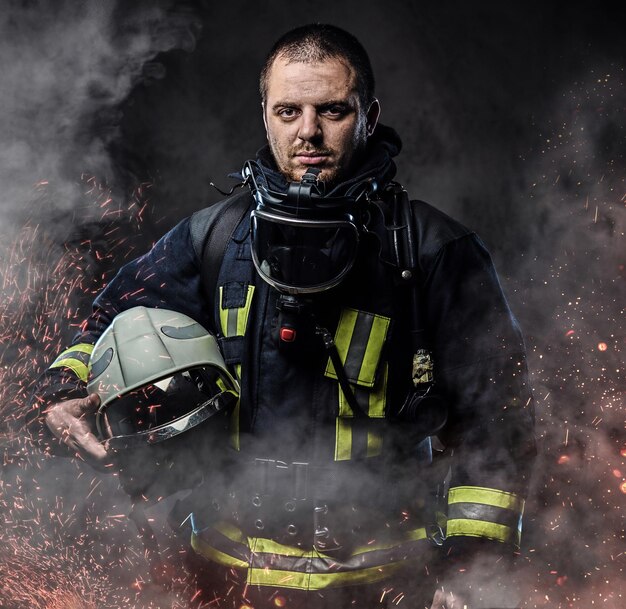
(280, 601)
(617, 473)
(602, 347)
(569, 333)
(623, 452)
(563, 459)
(622, 487)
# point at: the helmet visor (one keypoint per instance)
(298, 256)
(165, 408)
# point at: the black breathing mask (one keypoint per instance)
(304, 242)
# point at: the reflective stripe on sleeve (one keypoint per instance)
(485, 512)
(76, 359)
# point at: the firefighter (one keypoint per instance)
(363, 333)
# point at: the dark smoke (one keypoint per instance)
(114, 118)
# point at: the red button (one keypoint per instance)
(287, 335)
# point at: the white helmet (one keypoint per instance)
(158, 374)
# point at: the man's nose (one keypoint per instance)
(310, 128)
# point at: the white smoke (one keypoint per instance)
(64, 67)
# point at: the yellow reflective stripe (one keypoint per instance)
(318, 581)
(231, 532)
(201, 547)
(241, 314)
(376, 404)
(244, 312)
(234, 323)
(359, 339)
(317, 570)
(344, 408)
(375, 344)
(486, 496)
(269, 546)
(343, 439)
(343, 336)
(78, 367)
(374, 444)
(480, 528)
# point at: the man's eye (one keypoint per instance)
(335, 111)
(287, 112)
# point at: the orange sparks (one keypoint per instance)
(602, 347)
(280, 601)
(563, 459)
(617, 473)
(137, 584)
(569, 333)
(623, 452)
(622, 487)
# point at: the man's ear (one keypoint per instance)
(373, 112)
(264, 117)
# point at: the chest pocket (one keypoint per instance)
(360, 338)
(235, 300)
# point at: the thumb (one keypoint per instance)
(89, 405)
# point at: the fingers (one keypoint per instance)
(73, 422)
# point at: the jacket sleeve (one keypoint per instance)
(480, 364)
(168, 276)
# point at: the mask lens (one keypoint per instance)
(298, 256)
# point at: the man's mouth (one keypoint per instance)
(311, 158)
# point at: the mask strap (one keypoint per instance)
(330, 346)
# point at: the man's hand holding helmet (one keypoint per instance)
(74, 423)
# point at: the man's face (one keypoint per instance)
(313, 117)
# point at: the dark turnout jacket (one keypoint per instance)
(293, 422)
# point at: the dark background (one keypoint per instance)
(114, 118)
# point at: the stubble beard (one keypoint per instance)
(331, 176)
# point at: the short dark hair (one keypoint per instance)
(317, 42)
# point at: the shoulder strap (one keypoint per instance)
(211, 230)
(424, 404)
